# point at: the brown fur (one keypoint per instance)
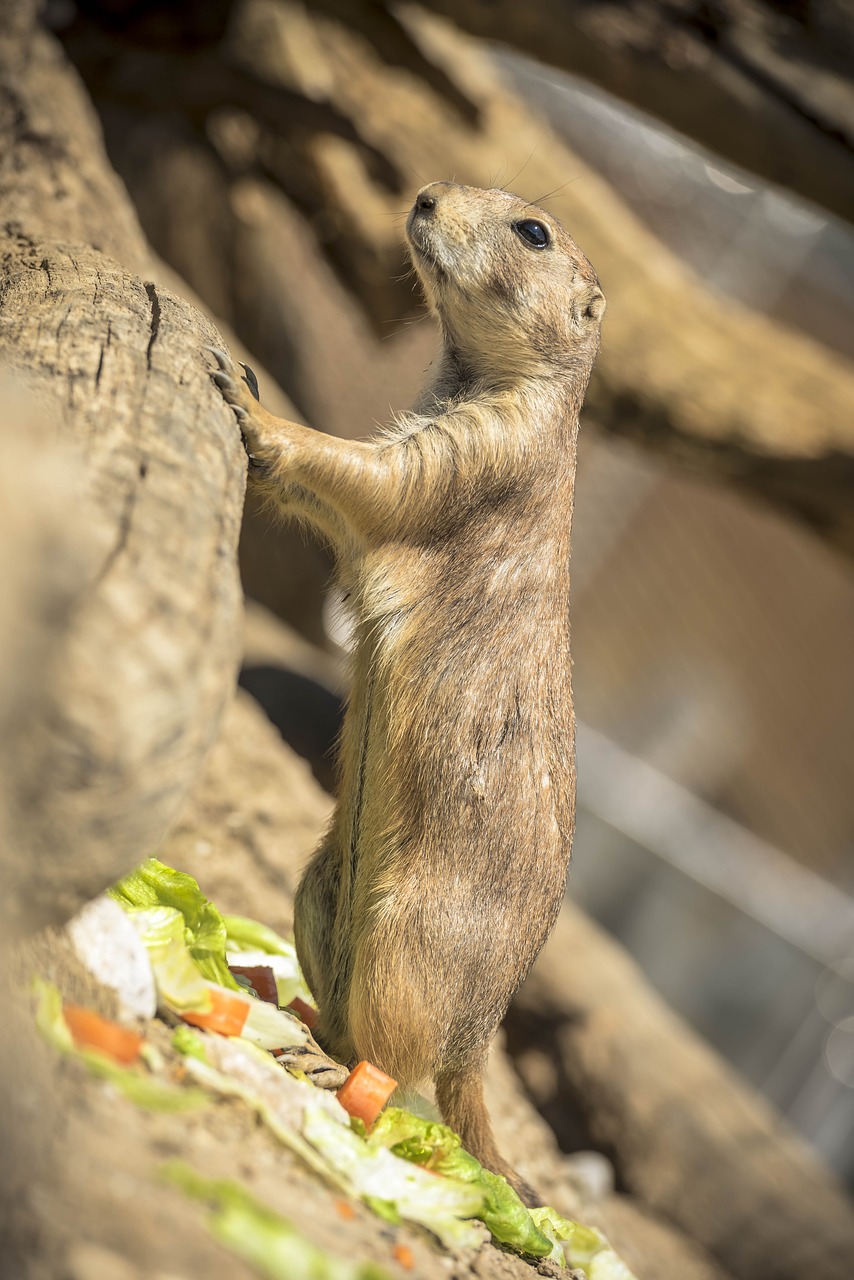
(446, 861)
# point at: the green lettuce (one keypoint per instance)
(180, 983)
(394, 1187)
(261, 1236)
(436, 1147)
(315, 1127)
(583, 1247)
(153, 884)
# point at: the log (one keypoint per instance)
(133, 698)
(611, 1067)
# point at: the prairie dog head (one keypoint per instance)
(514, 294)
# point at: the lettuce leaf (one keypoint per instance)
(436, 1147)
(153, 884)
(261, 1236)
(580, 1246)
(394, 1187)
(180, 983)
(315, 1127)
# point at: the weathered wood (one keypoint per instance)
(612, 1068)
(135, 695)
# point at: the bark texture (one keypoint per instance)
(134, 696)
(611, 1067)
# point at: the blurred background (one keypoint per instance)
(700, 154)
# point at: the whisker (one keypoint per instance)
(519, 172)
(548, 195)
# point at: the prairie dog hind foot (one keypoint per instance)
(321, 1070)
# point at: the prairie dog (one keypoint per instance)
(446, 860)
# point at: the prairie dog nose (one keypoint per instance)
(428, 197)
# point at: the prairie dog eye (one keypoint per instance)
(532, 232)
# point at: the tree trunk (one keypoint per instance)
(134, 695)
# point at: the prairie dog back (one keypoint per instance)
(445, 864)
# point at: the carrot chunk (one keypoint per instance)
(365, 1092)
(227, 1014)
(90, 1031)
(404, 1255)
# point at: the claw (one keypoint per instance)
(220, 357)
(251, 380)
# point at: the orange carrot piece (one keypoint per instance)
(404, 1255)
(345, 1210)
(365, 1092)
(227, 1014)
(304, 1012)
(90, 1031)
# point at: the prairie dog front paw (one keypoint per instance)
(241, 392)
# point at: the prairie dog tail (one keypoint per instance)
(459, 1096)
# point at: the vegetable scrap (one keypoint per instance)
(90, 1031)
(306, 1012)
(227, 1014)
(233, 979)
(365, 1092)
(187, 941)
(262, 1236)
(142, 1089)
(260, 979)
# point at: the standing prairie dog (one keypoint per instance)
(445, 864)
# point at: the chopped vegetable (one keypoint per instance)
(260, 978)
(144, 1090)
(227, 1014)
(180, 984)
(365, 1092)
(261, 1236)
(190, 1043)
(111, 949)
(436, 1147)
(250, 942)
(305, 1012)
(232, 1013)
(404, 1255)
(345, 1210)
(395, 1188)
(90, 1031)
(153, 884)
(581, 1246)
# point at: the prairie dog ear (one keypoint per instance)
(588, 307)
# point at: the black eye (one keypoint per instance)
(532, 232)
